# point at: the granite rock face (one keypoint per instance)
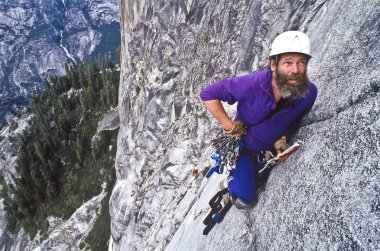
(8, 157)
(325, 197)
(37, 39)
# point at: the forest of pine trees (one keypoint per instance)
(59, 164)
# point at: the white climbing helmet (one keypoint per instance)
(291, 41)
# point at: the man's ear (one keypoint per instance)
(272, 65)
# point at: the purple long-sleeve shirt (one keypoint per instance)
(256, 106)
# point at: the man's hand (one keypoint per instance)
(281, 145)
(237, 130)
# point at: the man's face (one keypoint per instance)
(290, 74)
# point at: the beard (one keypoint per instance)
(292, 91)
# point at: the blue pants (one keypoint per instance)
(244, 182)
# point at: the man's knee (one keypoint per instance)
(239, 202)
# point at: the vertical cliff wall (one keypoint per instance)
(326, 196)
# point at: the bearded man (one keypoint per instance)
(270, 104)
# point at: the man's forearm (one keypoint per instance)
(216, 109)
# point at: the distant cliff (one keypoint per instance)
(39, 37)
(325, 197)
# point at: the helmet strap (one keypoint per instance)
(276, 59)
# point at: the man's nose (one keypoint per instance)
(295, 68)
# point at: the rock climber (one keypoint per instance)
(270, 105)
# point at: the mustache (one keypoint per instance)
(301, 77)
(283, 79)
